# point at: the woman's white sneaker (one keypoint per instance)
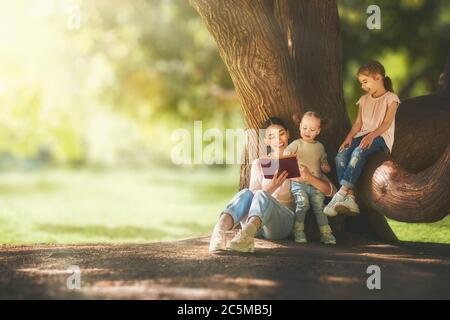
(242, 242)
(218, 241)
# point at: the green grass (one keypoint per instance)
(87, 206)
(438, 232)
(112, 206)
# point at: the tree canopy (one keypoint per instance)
(126, 73)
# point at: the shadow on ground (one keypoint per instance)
(185, 270)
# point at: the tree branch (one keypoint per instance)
(406, 197)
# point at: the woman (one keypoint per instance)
(267, 203)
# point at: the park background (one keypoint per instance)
(91, 92)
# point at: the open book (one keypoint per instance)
(286, 163)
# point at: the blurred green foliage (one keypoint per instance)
(112, 89)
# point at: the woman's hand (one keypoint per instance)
(305, 175)
(276, 182)
(347, 143)
(367, 141)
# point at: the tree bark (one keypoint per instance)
(284, 58)
(251, 45)
(311, 29)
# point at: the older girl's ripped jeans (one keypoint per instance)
(351, 160)
(277, 219)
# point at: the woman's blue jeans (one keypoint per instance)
(277, 220)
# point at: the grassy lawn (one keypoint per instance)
(88, 206)
(423, 232)
(111, 206)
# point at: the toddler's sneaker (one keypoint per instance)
(326, 235)
(242, 242)
(218, 241)
(329, 209)
(348, 206)
(299, 232)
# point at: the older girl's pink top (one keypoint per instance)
(373, 111)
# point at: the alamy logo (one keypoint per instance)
(374, 20)
(374, 280)
(74, 280)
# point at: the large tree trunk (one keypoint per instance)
(284, 59)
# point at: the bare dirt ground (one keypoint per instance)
(185, 270)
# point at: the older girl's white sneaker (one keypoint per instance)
(330, 208)
(348, 206)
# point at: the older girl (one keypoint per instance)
(373, 131)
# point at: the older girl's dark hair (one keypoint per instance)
(375, 67)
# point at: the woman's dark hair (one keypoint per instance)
(374, 67)
(273, 121)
